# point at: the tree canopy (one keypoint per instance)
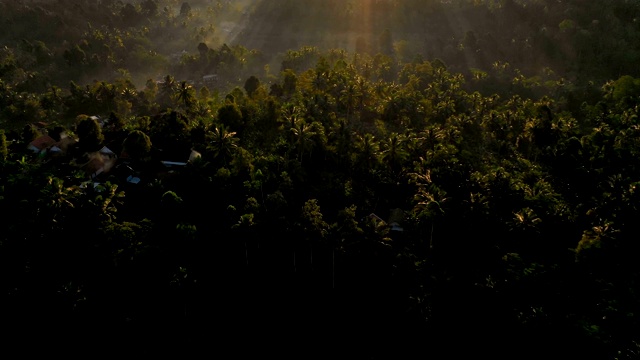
(427, 189)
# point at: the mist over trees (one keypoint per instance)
(366, 178)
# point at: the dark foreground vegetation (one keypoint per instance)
(435, 179)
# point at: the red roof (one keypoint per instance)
(42, 142)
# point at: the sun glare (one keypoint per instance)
(360, 14)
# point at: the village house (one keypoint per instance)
(99, 162)
(41, 144)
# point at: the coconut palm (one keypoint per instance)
(349, 97)
(57, 199)
(313, 225)
(106, 95)
(302, 135)
(185, 95)
(167, 90)
(367, 151)
(393, 152)
(223, 143)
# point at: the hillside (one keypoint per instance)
(378, 179)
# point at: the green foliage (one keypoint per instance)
(89, 133)
(231, 117)
(223, 144)
(126, 241)
(624, 88)
(289, 82)
(312, 219)
(137, 145)
(4, 150)
(514, 166)
(251, 85)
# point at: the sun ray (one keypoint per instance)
(362, 26)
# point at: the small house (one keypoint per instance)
(210, 80)
(41, 144)
(99, 162)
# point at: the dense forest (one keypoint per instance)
(374, 179)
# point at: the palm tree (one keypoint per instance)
(184, 94)
(290, 114)
(129, 93)
(368, 150)
(429, 198)
(313, 225)
(201, 109)
(363, 92)
(167, 90)
(318, 138)
(244, 225)
(432, 136)
(52, 101)
(348, 97)
(341, 140)
(57, 199)
(108, 200)
(320, 81)
(394, 153)
(223, 143)
(57, 196)
(302, 135)
(106, 94)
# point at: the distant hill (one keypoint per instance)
(575, 38)
(578, 40)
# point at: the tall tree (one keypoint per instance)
(185, 94)
(167, 91)
(231, 117)
(223, 143)
(314, 227)
(89, 133)
(251, 85)
(137, 145)
(185, 9)
(4, 150)
(302, 136)
(393, 152)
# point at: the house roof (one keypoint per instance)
(173, 163)
(98, 163)
(94, 166)
(42, 142)
(106, 151)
